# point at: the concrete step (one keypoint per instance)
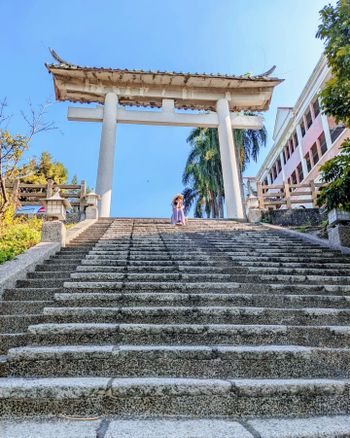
(203, 398)
(189, 334)
(31, 294)
(41, 283)
(12, 340)
(227, 362)
(19, 323)
(22, 307)
(323, 272)
(3, 367)
(325, 266)
(57, 267)
(122, 428)
(160, 269)
(290, 259)
(149, 263)
(59, 275)
(196, 314)
(68, 257)
(311, 427)
(204, 299)
(212, 287)
(310, 279)
(208, 277)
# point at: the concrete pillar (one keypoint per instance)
(106, 158)
(281, 157)
(326, 130)
(230, 163)
(53, 231)
(301, 153)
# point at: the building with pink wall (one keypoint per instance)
(304, 137)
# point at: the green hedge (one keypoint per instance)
(17, 235)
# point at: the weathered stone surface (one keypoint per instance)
(136, 318)
(318, 427)
(339, 235)
(49, 428)
(176, 429)
(53, 231)
(18, 268)
(295, 217)
(254, 215)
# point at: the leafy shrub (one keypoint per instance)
(17, 235)
(336, 172)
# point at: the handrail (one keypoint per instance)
(285, 192)
(26, 193)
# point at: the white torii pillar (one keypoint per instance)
(104, 178)
(229, 163)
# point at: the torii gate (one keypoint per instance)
(218, 99)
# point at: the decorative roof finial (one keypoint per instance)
(58, 58)
(267, 73)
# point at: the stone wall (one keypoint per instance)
(295, 217)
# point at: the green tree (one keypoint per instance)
(11, 152)
(203, 177)
(40, 171)
(336, 172)
(334, 30)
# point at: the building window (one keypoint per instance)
(271, 177)
(302, 127)
(287, 152)
(336, 132)
(266, 182)
(279, 165)
(316, 107)
(291, 145)
(308, 119)
(314, 152)
(284, 156)
(300, 172)
(294, 178)
(323, 143)
(295, 139)
(308, 162)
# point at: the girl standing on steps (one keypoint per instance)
(178, 217)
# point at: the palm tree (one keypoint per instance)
(202, 177)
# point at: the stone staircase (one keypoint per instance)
(216, 329)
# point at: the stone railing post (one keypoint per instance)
(287, 196)
(49, 188)
(15, 191)
(260, 195)
(313, 193)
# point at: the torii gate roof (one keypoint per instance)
(148, 88)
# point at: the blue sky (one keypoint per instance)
(225, 36)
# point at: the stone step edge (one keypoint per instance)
(204, 309)
(329, 426)
(42, 352)
(73, 327)
(73, 387)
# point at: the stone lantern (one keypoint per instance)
(254, 213)
(54, 230)
(91, 200)
(56, 206)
